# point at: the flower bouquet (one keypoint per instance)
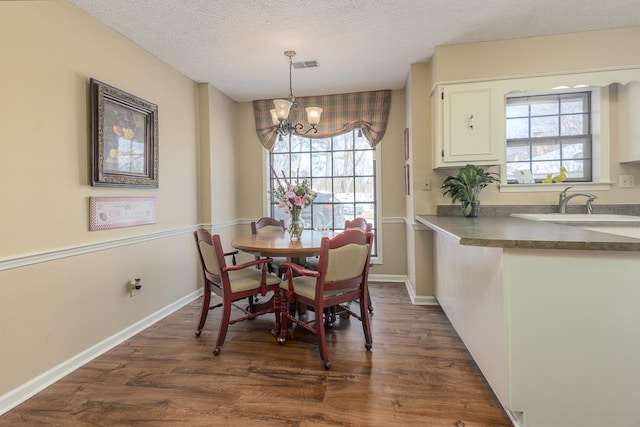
(293, 198)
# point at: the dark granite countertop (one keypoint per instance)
(509, 232)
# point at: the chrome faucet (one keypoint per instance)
(563, 200)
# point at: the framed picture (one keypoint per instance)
(407, 184)
(124, 138)
(406, 143)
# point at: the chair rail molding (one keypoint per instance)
(24, 260)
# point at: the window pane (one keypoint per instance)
(578, 103)
(517, 128)
(323, 144)
(513, 167)
(578, 169)
(321, 164)
(517, 110)
(575, 124)
(361, 143)
(343, 142)
(300, 144)
(365, 189)
(576, 149)
(322, 184)
(518, 152)
(343, 163)
(280, 163)
(540, 170)
(545, 151)
(343, 185)
(544, 105)
(281, 145)
(544, 126)
(364, 162)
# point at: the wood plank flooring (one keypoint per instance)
(418, 373)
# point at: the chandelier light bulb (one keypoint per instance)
(313, 115)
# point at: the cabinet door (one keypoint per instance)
(628, 123)
(470, 125)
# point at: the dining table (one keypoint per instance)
(279, 244)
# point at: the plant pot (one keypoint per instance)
(470, 209)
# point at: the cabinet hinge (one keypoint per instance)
(442, 95)
(442, 154)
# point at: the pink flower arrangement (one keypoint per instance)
(292, 197)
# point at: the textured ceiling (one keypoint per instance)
(237, 45)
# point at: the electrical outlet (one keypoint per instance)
(134, 287)
(627, 181)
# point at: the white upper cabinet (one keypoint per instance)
(469, 124)
(629, 122)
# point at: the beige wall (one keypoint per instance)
(53, 309)
(564, 53)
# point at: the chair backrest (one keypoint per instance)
(267, 225)
(359, 224)
(344, 260)
(211, 255)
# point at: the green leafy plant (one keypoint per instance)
(466, 186)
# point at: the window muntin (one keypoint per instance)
(545, 132)
(341, 169)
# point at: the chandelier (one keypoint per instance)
(286, 114)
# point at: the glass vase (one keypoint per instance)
(295, 225)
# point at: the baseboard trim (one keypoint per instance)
(415, 300)
(44, 380)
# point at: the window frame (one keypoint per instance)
(375, 174)
(600, 128)
(531, 142)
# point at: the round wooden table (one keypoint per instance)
(278, 244)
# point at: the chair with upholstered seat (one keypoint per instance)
(270, 225)
(233, 283)
(342, 277)
(361, 225)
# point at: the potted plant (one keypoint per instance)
(466, 187)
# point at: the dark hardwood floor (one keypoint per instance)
(418, 373)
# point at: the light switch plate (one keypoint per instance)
(627, 181)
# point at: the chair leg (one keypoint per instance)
(224, 325)
(322, 338)
(277, 311)
(366, 326)
(206, 300)
(369, 303)
(284, 316)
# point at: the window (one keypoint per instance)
(547, 132)
(341, 169)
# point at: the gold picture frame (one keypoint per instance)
(124, 138)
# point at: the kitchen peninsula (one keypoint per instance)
(549, 312)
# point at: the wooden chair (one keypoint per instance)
(270, 225)
(342, 275)
(232, 283)
(362, 225)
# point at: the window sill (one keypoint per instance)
(554, 187)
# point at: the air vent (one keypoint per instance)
(305, 64)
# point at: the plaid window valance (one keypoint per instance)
(368, 111)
